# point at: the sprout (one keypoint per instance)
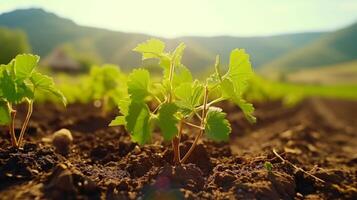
(19, 83)
(180, 99)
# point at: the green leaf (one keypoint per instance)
(46, 84)
(217, 127)
(138, 84)
(9, 88)
(124, 109)
(5, 117)
(9, 68)
(248, 110)
(152, 48)
(106, 81)
(268, 166)
(178, 53)
(165, 63)
(119, 120)
(137, 122)
(229, 91)
(24, 91)
(167, 120)
(240, 70)
(189, 96)
(214, 79)
(124, 106)
(13, 90)
(182, 75)
(24, 65)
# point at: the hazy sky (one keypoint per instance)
(170, 18)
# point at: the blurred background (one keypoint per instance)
(299, 48)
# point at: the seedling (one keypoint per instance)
(268, 166)
(19, 83)
(105, 85)
(182, 101)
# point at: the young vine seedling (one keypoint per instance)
(19, 82)
(106, 85)
(181, 100)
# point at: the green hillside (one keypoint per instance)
(332, 48)
(12, 42)
(47, 31)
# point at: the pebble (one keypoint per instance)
(62, 141)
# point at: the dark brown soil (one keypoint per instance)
(318, 136)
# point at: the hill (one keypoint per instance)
(342, 73)
(47, 31)
(332, 48)
(12, 43)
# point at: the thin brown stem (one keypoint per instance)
(297, 168)
(176, 140)
(193, 146)
(24, 125)
(193, 125)
(12, 128)
(176, 145)
(197, 115)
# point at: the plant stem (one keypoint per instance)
(176, 139)
(171, 78)
(193, 146)
(176, 145)
(297, 168)
(24, 125)
(193, 125)
(12, 127)
(216, 101)
(197, 115)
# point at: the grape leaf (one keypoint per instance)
(229, 91)
(235, 81)
(12, 89)
(45, 83)
(124, 106)
(248, 110)
(182, 75)
(137, 122)
(107, 82)
(167, 120)
(8, 86)
(189, 95)
(178, 53)
(240, 70)
(138, 84)
(214, 79)
(119, 120)
(24, 65)
(217, 127)
(5, 117)
(152, 48)
(124, 109)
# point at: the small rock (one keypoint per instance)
(62, 140)
(136, 150)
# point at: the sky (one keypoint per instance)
(173, 18)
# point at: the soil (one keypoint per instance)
(318, 136)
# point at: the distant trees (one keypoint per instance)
(12, 42)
